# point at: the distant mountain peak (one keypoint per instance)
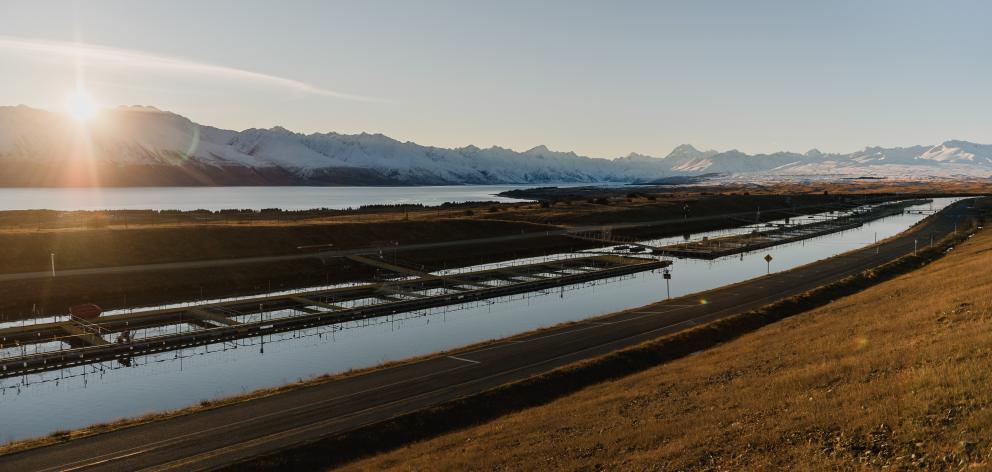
(148, 108)
(958, 143)
(635, 155)
(280, 130)
(685, 148)
(957, 151)
(688, 151)
(141, 145)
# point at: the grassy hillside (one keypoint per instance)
(896, 376)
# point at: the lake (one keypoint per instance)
(255, 198)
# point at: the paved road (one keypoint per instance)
(209, 263)
(225, 435)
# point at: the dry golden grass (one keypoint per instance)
(897, 376)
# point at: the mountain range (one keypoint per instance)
(144, 146)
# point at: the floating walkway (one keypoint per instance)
(714, 248)
(758, 239)
(51, 346)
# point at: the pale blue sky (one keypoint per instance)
(600, 78)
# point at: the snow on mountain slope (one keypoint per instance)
(146, 136)
(880, 155)
(146, 146)
(959, 152)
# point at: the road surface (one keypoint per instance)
(229, 434)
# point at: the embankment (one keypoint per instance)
(544, 391)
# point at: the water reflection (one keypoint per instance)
(39, 404)
(255, 198)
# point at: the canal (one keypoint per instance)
(39, 404)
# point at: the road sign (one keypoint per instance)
(768, 258)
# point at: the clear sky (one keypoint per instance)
(600, 78)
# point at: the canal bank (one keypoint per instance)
(171, 381)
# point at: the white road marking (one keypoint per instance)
(117, 455)
(159, 444)
(463, 359)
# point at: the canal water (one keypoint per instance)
(39, 404)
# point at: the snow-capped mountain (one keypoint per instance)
(952, 159)
(143, 146)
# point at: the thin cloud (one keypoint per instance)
(139, 59)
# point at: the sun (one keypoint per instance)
(81, 106)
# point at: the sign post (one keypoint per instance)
(667, 274)
(768, 260)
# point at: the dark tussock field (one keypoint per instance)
(107, 239)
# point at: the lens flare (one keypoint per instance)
(105, 56)
(81, 106)
(703, 301)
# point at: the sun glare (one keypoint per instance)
(81, 106)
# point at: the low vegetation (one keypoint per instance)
(143, 237)
(542, 389)
(893, 377)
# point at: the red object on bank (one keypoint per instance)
(86, 311)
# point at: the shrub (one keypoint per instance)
(97, 221)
